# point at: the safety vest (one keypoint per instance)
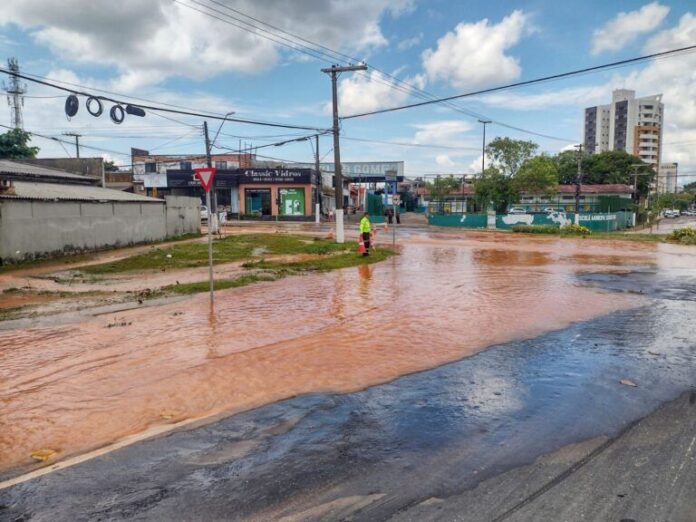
(365, 225)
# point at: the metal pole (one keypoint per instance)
(210, 215)
(483, 146)
(578, 181)
(317, 167)
(338, 171)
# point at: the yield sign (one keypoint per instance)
(205, 175)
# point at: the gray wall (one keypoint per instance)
(183, 215)
(30, 229)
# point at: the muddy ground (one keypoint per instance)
(533, 361)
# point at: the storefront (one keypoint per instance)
(254, 192)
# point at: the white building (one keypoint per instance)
(667, 179)
(627, 123)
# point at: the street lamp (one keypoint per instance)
(483, 146)
(220, 127)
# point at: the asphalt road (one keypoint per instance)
(667, 225)
(532, 430)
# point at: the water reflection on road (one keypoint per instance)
(75, 387)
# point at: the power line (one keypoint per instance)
(527, 82)
(334, 55)
(404, 144)
(162, 109)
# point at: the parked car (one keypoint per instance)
(204, 213)
(549, 210)
(517, 210)
(671, 213)
(688, 212)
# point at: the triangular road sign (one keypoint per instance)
(205, 175)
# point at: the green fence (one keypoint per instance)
(458, 220)
(599, 222)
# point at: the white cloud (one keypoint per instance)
(473, 54)
(582, 95)
(150, 41)
(443, 160)
(407, 43)
(626, 27)
(450, 133)
(368, 91)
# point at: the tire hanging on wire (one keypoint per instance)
(72, 104)
(117, 114)
(100, 108)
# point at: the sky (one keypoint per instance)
(203, 55)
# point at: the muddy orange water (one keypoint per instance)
(80, 386)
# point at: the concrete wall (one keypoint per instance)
(183, 215)
(31, 229)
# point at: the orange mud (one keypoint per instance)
(72, 388)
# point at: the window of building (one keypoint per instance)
(185, 165)
(220, 164)
(257, 201)
(150, 166)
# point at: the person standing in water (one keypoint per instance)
(365, 232)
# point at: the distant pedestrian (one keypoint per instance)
(398, 216)
(365, 232)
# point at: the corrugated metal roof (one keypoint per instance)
(17, 167)
(53, 192)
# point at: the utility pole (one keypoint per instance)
(578, 185)
(77, 142)
(15, 94)
(317, 203)
(334, 71)
(483, 146)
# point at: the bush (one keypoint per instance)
(575, 230)
(685, 236)
(536, 229)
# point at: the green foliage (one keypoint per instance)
(679, 201)
(685, 236)
(14, 144)
(508, 154)
(604, 168)
(538, 175)
(441, 186)
(575, 230)
(536, 229)
(110, 166)
(494, 187)
(690, 187)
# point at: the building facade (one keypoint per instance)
(628, 123)
(667, 178)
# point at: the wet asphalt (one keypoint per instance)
(416, 448)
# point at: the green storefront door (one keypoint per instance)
(292, 201)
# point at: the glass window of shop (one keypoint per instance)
(257, 201)
(292, 201)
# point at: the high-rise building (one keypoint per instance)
(627, 123)
(667, 179)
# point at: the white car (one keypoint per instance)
(204, 213)
(517, 210)
(549, 210)
(671, 213)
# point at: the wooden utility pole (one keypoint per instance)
(77, 142)
(210, 214)
(320, 183)
(334, 71)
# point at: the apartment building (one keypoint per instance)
(627, 123)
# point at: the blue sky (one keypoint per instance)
(167, 51)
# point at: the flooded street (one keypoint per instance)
(80, 386)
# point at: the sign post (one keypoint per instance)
(389, 178)
(205, 176)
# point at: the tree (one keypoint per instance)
(690, 187)
(679, 201)
(613, 166)
(442, 186)
(538, 175)
(14, 144)
(494, 187)
(110, 166)
(508, 155)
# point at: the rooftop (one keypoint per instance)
(12, 168)
(56, 192)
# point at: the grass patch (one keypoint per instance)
(225, 250)
(344, 260)
(536, 229)
(275, 270)
(220, 284)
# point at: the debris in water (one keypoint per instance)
(628, 382)
(122, 322)
(42, 455)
